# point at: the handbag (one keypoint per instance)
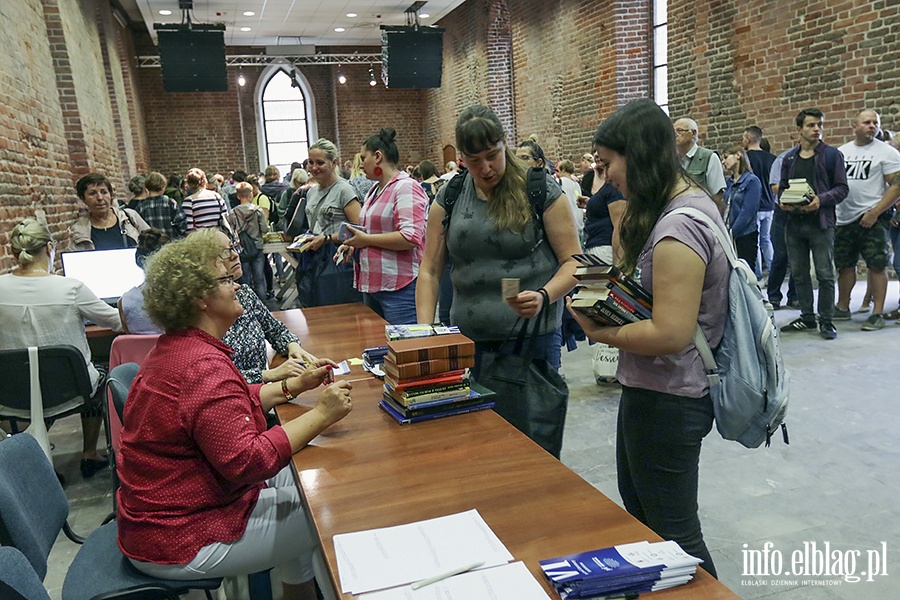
(531, 395)
(320, 282)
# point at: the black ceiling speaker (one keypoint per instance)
(412, 56)
(193, 59)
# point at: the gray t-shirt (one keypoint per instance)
(326, 207)
(683, 373)
(482, 256)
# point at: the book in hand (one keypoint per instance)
(797, 192)
(619, 570)
(301, 243)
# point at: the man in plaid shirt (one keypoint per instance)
(160, 211)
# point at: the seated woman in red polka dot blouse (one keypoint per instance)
(206, 490)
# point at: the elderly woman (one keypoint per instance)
(40, 309)
(206, 489)
(103, 226)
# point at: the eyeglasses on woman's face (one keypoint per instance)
(227, 280)
(231, 250)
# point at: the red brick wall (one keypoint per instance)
(737, 64)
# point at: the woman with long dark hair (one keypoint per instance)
(665, 410)
(743, 192)
(390, 242)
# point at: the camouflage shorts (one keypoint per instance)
(853, 240)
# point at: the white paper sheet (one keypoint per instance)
(499, 583)
(392, 556)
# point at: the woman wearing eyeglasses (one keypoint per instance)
(38, 308)
(206, 488)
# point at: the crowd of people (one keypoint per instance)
(416, 246)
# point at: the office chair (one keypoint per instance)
(65, 386)
(18, 581)
(33, 510)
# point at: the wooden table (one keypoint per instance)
(367, 471)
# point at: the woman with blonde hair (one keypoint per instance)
(207, 488)
(358, 179)
(38, 308)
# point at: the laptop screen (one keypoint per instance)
(107, 273)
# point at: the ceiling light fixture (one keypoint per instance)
(341, 79)
(372, 81)
(424, 16)
(340, 29)
(245, 29)
(351, 15)
(249, 13)
(165, 13)
(241, 80)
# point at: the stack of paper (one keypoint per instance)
(379, 559)
(621, 570)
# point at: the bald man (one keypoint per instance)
(700, 163)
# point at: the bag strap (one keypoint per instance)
(454, 188)
(699, 339)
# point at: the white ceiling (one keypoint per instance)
(291, 22)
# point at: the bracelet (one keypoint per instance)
(288, 396)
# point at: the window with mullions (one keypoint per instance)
(285, 125)
(660, 54)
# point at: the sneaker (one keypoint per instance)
(793, 304)
(841, 314)
(894, 314)
(827, 331)
(873, 323)
(799, 325)
(864, 308)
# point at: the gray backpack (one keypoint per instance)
(748, 382)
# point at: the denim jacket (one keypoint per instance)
(830, 179)
(743, 198)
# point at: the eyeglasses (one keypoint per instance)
(234, 248)
(682, 131)
(227, 280)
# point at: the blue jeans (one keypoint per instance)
(778, 268)
(548, 348)
(254, 274)
(658, 438)
(802, 236)
(766, 250)
(396, 307)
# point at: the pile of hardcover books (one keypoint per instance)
(428, 378)
(621, 571)
(607, 295)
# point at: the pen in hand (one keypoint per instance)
(446, 575)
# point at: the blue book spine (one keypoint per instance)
(403, 420)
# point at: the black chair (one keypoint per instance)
(64, 378)
(18, 581)
(33, 510)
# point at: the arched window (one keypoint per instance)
(285, 119)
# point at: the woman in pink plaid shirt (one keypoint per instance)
(391, 238)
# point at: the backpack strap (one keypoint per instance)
(699, 339)
(454, 188)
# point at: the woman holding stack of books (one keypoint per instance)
(665, 410)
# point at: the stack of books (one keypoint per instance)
(797, 192)
(621, 571)
(607, 295)
(405, 332)
(428, 378)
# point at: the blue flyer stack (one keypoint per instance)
(426, 375)
(626, 570)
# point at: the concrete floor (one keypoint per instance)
(837, 482)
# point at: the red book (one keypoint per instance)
(447, 378)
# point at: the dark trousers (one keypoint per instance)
(779, 267)
(747, 247)
(658, 439)
(803, 236)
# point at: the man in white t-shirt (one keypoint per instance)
(873, 174)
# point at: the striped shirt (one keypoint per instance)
(400, 207)
(203, 209)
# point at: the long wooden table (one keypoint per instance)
(367, 471)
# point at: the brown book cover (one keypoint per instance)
(414, 350)
(426, 367)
